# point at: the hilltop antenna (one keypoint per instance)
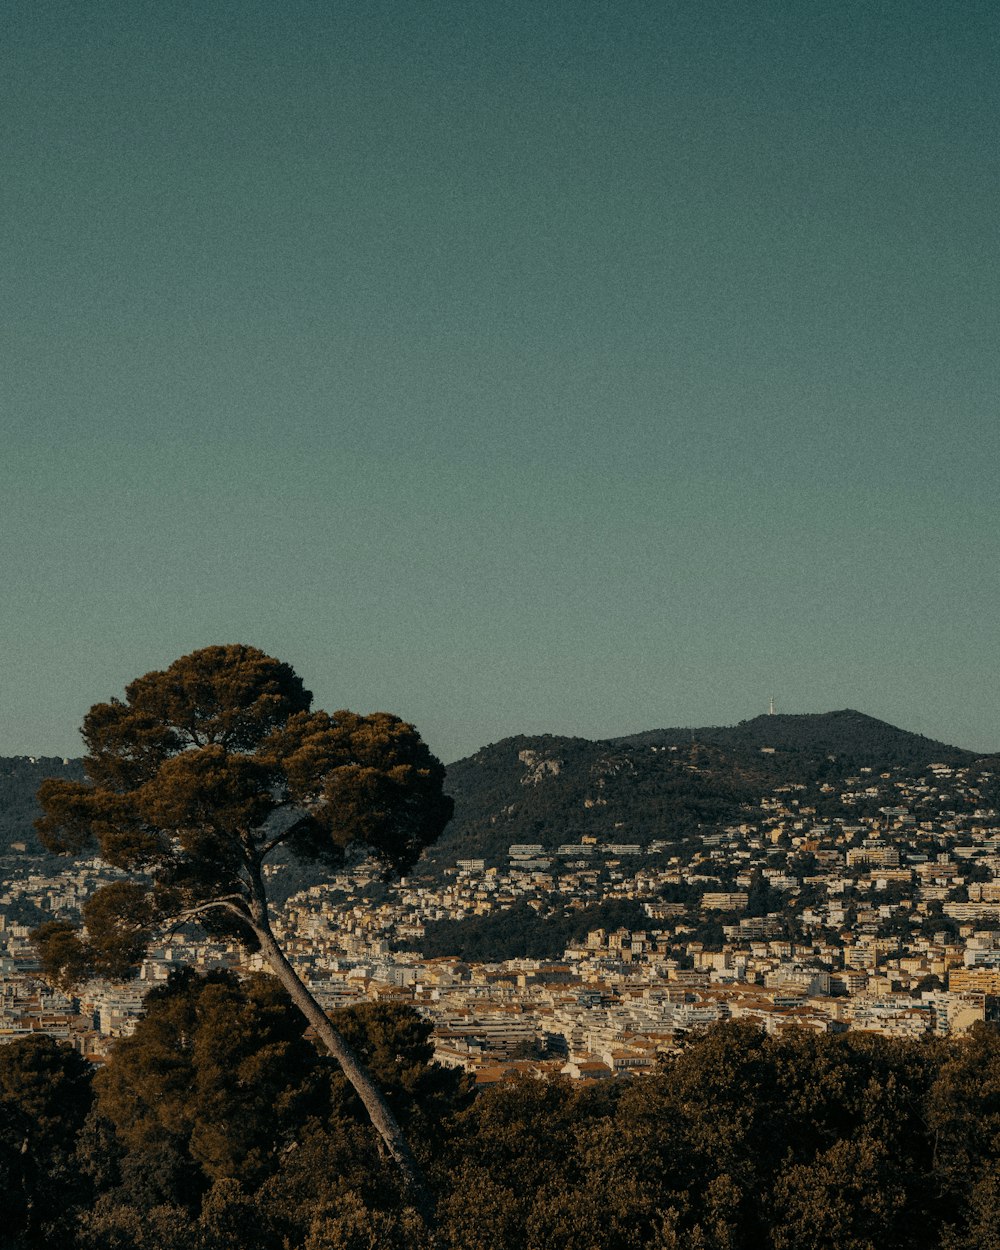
(770, 706)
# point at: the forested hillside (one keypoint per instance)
(20, 777)
(666, 783)
(550, 790)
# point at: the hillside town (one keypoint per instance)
(870, 904)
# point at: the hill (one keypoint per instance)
(665, 783)
(853, 739)
(20, 777)
(547, 789)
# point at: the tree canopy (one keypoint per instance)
(215, 1127)
(200, 774)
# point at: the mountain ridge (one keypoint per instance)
(822, 730)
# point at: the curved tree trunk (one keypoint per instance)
(374, 1101)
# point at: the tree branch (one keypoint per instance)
(227, 903)
(277, 840)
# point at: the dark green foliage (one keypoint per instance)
(651, 794)
(521, 932)
(20, 777)
(762, 897)
(218, 1124)
(964, 1116)
(512, 1145)
(217, 1127)
(194, 780)
(212, 1083)
(45, 1095)
(742, 1141)
(200, 774)
(394, 1043)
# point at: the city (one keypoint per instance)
(871, 904)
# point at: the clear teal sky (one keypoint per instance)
(581, 367)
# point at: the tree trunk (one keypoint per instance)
(374, 1101)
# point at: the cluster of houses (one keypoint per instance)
(874, 905)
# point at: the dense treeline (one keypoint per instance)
(217, 1126)
(521, 932)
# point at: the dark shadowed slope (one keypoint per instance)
(665, 783)
(20, 777)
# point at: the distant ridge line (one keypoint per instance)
(790, 731)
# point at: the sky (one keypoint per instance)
(579, 367)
